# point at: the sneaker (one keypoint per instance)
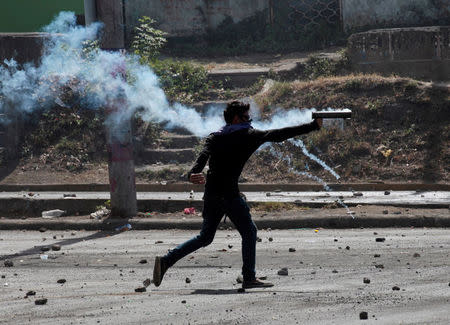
(256, 283)
(158, 271)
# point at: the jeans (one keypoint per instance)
(214, 209)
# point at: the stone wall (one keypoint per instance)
(189, 17)
(22, 47)
(421, 52)
(360, 14)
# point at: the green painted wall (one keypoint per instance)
(32, 15)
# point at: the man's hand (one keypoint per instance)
(197, 178)
(319, 121)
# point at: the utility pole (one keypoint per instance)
(119, 139)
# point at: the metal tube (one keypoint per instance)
(332, 114)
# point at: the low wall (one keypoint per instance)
(416, 52)
(189, 17)
(22, 47)
(358, 14)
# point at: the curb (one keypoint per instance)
(245, 187)
(334, 222)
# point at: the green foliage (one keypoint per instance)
(319, 67)
(148, 41)
(182, 80)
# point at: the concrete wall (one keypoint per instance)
(358, 14)
(189, 17)
(23, 47)
(422, 52)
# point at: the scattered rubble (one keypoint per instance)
(61, 281)
(283, 271)
(291, 250)
(99, 214)
(8, 263)
(188, 280)
(52, 214)
(416, 255)
(140, 289)
(347, 247)
(183, 301)
(379, 266)
(42, 301)
(147, 282)
(366, 280)
(143, 261)
(395, 288)
(31, 293)
(376, 255)
(387, 192)
(56, 247)
(380, 239)
(363, 315)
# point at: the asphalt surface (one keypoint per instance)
(324, 284)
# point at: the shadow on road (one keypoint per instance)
(215, 292)
(66, 242)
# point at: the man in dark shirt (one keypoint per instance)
(227, 151)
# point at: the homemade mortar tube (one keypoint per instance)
(332, 114)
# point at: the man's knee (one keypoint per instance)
(205, 239)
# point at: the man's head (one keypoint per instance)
(236, 112)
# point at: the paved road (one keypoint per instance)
(324, 285)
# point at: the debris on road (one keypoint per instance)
(188, 280)
(379, 266)
(31, 293)
(270, 239)
(366, 280)
(189, 211)
(8, 263)
(124, 227)
(396, 288)
(376, 255)
(143, 261)
(283, 271)
(147, 282)
(291, 250)
(380, 239)
(42, 301)
(69, 195)
(99, 214)
(140, 289)
(357, 194)
(387, 192)
(56, 247)
(363, 315)
(61, 281)
(44, 257)
(416, 255)
(52, 214)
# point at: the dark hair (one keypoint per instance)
(234, 108)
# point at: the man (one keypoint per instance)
(227, 151)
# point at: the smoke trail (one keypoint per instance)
(103, 79)
(292, 169)
(299, 143)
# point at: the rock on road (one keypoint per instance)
(333, 277)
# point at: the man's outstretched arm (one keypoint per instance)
(279, 135)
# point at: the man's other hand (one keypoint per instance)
(197, 178)
(319, 121)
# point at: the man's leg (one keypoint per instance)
(213, 211)
(239, 213)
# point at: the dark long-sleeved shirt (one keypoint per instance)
(228, 153)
